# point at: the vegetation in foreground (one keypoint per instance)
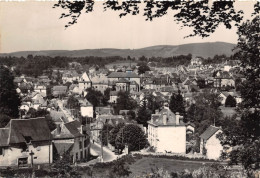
(127, 165)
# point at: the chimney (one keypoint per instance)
(177, 118)
(164, 118)
(58, 129)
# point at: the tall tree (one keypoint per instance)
(143, 68)
(125, 102)
(144, 114)
(177, 104)
(245, 134)
(132, 136)
(9, 99)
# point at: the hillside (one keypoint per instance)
(196, 49)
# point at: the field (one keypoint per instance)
(144, 165)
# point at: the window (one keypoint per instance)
(80, 144)
(81, 155)
(1, 151)
(77, 156)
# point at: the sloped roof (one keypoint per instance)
(36, 128)
(123, 75)
(73, 128)
(62, 148)
(211, 130)
(157, 119)
(4, 135)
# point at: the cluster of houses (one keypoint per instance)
(28, 141)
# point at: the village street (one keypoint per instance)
(95, 150)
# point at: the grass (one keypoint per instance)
(144, 165)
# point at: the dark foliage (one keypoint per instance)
(177, 104)
(230, 101)
(203, 17)
(9, 99)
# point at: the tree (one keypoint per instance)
(230, 101)
(106, 96)
(177, 104)
(124, 102)
(205, 111)
(105, 133)
(152, 103)
(132, 136)
(94, 97)
(73, 103)
(144, 114)
(143, 68)
(113, 133)
(9, 99)
(244, 134)
(202, 16)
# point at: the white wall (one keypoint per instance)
(214, 147)
(86, 111)
(167, 138)
(41, 155)
(172, 139)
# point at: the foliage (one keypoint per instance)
(132, 136)
(73, 103)
(124, 102)
(152, 104)
(177, 104)
(202, 16)
(4, 120)
(113, 133)
(119, 169)
(144, 114)
(9, 99)
(244, 134)
(143, 68)
(205, 111)
(106, 96)
(95, 97)
(230, 101)
(105, 133)
(131, 115)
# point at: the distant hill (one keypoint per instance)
(196, 49)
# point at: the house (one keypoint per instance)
(197, 61)
(103, 111)
(86, 108)
(40, 89)
(223, 79)
(210, 145)
(59, 90)
(130, 76)
(24, 142)
(113, 96)
(72, 138)
(84, 82)
(167, 132)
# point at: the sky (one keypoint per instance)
(35, 25)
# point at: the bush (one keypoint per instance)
(230, 101)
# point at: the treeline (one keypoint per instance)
(36, 65)
(217, 59)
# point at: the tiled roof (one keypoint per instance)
(157, 119)
(211, 130)
(36, 128)
(122, 80)
(63, 147)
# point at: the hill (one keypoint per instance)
(196, 49)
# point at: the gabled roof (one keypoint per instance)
(36, 128)
(73, 128)
(211, 130)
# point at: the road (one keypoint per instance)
(108, 155)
